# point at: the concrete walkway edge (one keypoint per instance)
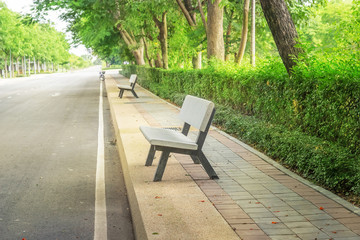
(138, 224)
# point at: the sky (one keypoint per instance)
(24, 6)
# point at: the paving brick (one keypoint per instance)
(276, 229)
(302, 230)
(335, 227)
(313, 236)
(285, 237)
(300, 204)
(220, 198)
(267, 195)
(241, 195)
(233, 213)
(324, 223)
(299, 224)
(245, 234)
(318, 199)
(273, 202)
(354, 219)
(246, 220)
(255, 237)
(263, 214)
(252, 236)
(342, 234)
(327, 205)
(267, 220)
(246, 226)
(339, 214)
(310, 210)
(285, 213)
(294, 218)
(259, 209)
(226, 206)
(318, 217)
(222, 201)
(305, 192)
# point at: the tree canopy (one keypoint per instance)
(134, 31)
(24, 38)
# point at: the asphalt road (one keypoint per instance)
(48, 159)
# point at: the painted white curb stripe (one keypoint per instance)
(100, 200)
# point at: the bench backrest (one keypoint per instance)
(132, 79)
(196, 112)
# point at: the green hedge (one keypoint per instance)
(310, 123)
(321, 161)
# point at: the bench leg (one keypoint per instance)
(121, 93)
(208, 168)
(161, 167)
(195, 159)
(134, 93)
(150, 156)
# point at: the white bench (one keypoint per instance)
(130, 87)
(194, 112)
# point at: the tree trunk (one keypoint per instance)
(244, 33)
(196, 61)
(12, 69)
(24, 66)
(131, 43)
(147, 53)
(17, 66)
(5, 63)
(29, 66)
(162, 26)
(34, 66)
(158, 62)
(215, 38)
(190, 18)
(202, 15)
(227, 37)
(283, 30)
(252, 50)
(139, 55)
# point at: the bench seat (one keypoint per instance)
(167, 138)
(126, 87)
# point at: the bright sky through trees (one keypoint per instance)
(24, 7)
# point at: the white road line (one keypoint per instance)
(100, 200)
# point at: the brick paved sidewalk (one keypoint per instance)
(256, 196)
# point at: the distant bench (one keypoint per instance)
(194, 112)
(130, 87)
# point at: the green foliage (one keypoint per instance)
(316, 100)
(25, 37)
(77, 62)
(321, 161)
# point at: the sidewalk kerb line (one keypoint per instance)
(100, 225)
